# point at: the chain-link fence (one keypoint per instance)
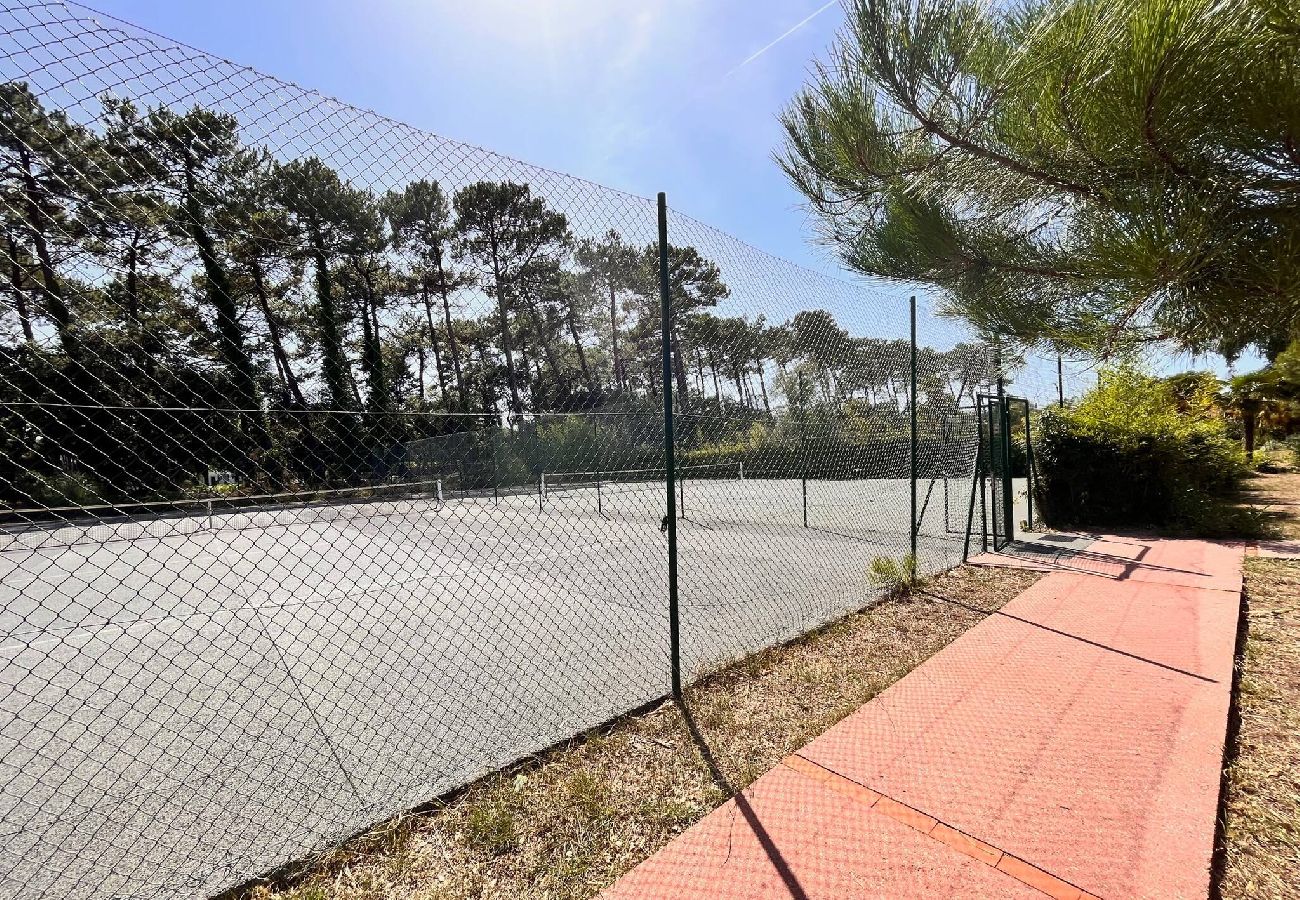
(333, 469)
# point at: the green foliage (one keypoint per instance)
(897, 577)
(1082, 172)
(1130, 454)
(1293, 448)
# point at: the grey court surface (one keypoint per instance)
(191, 701)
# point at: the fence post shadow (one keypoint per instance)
(755, 824)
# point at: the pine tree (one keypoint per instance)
(1080, 172)
(507, 235)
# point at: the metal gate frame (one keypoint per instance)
(992, 482)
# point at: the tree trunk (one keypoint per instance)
(679, 372)
(374, 379)
(143, 348)
(619, 377)
(713, 369)
(592, 387)
(230, 334)
(419, 350)
(548, 350)
(438, 366)
(334, 364)
(289, 379)
(762, 383)
(507, 345)
(133, 287)
(452, 345)
(372, 343)
(489, 402)
(51, 287)
(16, 284)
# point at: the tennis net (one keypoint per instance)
(558, 484)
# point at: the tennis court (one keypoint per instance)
(223, 692)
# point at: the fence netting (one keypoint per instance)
(332, 464)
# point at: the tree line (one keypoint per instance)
(156, 262)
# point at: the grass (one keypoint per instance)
(1260, 849)
(1261, 853)
(1278, 496)
(568, 823)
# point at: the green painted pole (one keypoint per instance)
(803, 478)
(670, 452)
(1060, 382)
(986, 421)
(1029, 467)
(975, 480)
(1008, 485)
(912, 453)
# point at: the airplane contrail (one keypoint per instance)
(759, 52)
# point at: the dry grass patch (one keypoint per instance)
(568, 823)
(1278, 496)
(1261, 853)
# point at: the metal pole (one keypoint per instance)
(1029, 467)
(912, 452)
(670, 458)
(803, 476)
(946, 518)
(1001, 414)
(1060, 381)
(681, 495)
(986, 421)
(970, 510)
(496, 475)
(1008, 485)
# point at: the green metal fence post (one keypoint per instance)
(912, 452)
(496, 475)
(595, 442)
(681, 495)
(670, 452)
(986, 422)
(803, 477)
(1029, 468)
(1008, 484)
(975, 480)
(1060, 382)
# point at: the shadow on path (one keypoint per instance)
(742, 803)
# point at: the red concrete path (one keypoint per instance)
(1069, 746)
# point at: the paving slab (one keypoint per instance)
(1074, 741)
(1188, 629)
(788, 835)
(1215, 565)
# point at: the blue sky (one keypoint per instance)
(674, 95)
(641, 96)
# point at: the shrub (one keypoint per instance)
(1135, 453)
(1293, 449)
(895, 577)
